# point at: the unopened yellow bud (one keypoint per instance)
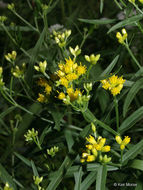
(106, 148)
(91, 158)
(126, 140)
(118, 139)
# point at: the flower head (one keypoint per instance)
(122, 36)
(123, 142)
(114, 84)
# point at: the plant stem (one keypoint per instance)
(137, 8)
(118, 5)
(25, 21)
(131, 54)
(117, 112)
(139, 26)
(121, 156)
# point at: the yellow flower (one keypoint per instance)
(42, 82)
(82, 160)
(11, 56)
(61, 96)
(64, 82)
(73, 94)
(91, 140)
(48, 89)
(41, 98)
(85, 154)
(105, 84)
(81, 70)
(122, 37)
(118, 139)
(106, 148)
(89, 146)
(72, 76)
(126, 140)
(90, 158)
(123, 142)
(114, 84)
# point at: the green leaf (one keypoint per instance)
(34, 55)
(78, 177)
(88, 180)
(137, 164)
(131, 94)
(132, 152)
(94, 167)
(97, 21)
(101, 5)
(5, 177)
(88, 115)
(23, 159)
(131, 120)
(101, 177)
(125, 22)
(110, 67)
(67, 161)
(35, 172)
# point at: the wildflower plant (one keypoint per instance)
(71, 95)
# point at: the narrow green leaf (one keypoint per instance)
(125, 22)
(131, 120)
(101, 177)
(137, 164)
(34, 56)
(97, 21)
(94, 167)
(133, 152)
(88, 180)
(5, 177)
(131, 94)
(35, 172)
(23, 159)
(88, 115)
(101, 5)
(78, 177)
(110, 67)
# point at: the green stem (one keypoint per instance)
(69, 116)
(90, 67)
(121, 156)
(5, 97)
(131, 54)
(123, 3)
(118, 5)
(139, 26)
(11, 85)
(137, 8)
(25, 21)
(117, 112)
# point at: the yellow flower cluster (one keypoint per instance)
(11, 57)
(114, 84)
(61, 37)
(93, 149)
(73, 94)
(69, 71)
(122, 37)
(43, 83)
(123, 142)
